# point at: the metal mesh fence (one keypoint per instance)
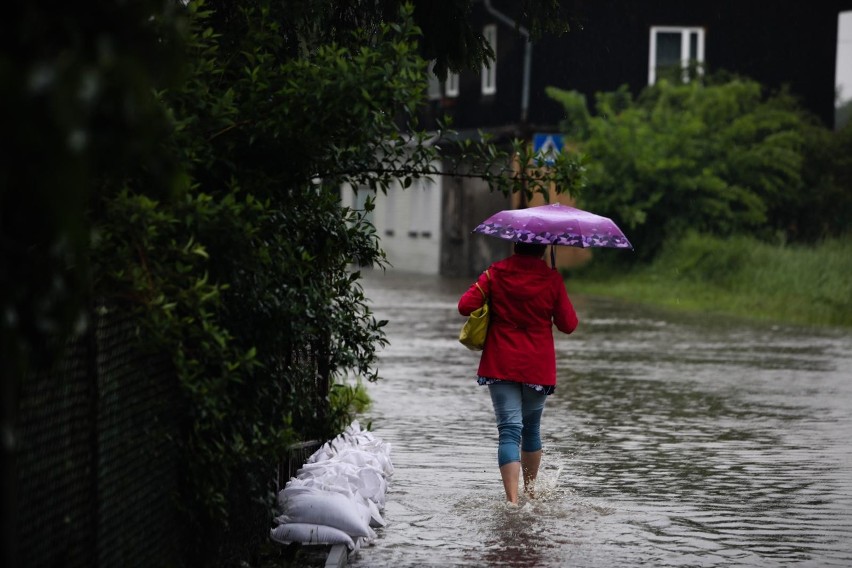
(137, 465)
(98, 471)
(56, 489)
(97, 475)
(296, 457)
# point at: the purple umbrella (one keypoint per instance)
(554, 224)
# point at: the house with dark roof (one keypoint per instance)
(784, 43)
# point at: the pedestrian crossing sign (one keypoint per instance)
(546, 147)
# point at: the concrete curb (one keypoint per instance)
(337, 556)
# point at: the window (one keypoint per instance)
(451, 85)
(362, 195)
(489, 74)
(843, 71)
(389, 201)
(422, 215)
(434, 89)
(675, 50)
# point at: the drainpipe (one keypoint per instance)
(525, 88)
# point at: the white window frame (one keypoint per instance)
(423, 193)
(390, 200)
(362, 194)
(489, 73)
(451, 85)
(433, 91)
(685, 33)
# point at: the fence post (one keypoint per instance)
(12, 373)
(92, 373)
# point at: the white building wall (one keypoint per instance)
(408, 223)
(843, 74)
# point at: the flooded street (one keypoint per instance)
(671, 440)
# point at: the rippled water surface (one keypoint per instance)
(671, 440)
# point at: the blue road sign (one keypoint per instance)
(546, 147)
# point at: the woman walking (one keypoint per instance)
(518, 362)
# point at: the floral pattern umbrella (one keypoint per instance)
(554, 224)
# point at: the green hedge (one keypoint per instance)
(720, 156)
(740, 276)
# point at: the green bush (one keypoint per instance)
(701, 259)
(79, 108)
(719, 157)
(803, 283)
(740, 276)
(245, 278)
(245, 272)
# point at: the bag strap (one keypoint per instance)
(480, 287)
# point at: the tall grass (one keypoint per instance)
(741, 276)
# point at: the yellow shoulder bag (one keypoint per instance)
(475, 329)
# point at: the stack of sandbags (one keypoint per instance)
(338, 495)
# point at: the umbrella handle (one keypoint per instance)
(553, 257)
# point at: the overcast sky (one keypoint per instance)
(844, 55)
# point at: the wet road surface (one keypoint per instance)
(671, 440)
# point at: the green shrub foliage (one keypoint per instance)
(719, 156)
(80, 114)
(246, 277)
(183, 160)
(247, 274)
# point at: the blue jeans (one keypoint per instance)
(518, 412)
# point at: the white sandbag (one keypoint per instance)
(324, 452)
(330, 509)
(293, 487)
(321, 454)
(336, 484)
(359, 458)
(368, 481)
(372, 485)
(376, 519)
(341, 487)
(326, 469)
(362, 456)
(315, 487)
(379, 451)
(335, 481)
(367, 510)
(353, 429)
(317, 466)
(353, 438)
(300, 486)
(310, 534)
(331, 480)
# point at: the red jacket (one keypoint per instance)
(527, 298)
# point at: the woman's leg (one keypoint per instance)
(507, 400)
(532, 405)
(511, 473)
(529, 464)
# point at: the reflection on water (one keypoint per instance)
(671, 440)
